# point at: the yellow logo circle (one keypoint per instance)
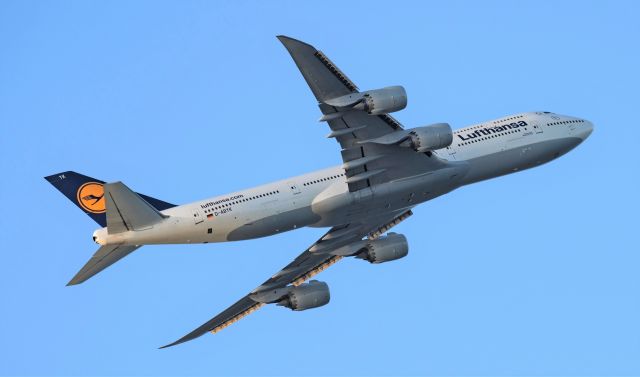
(91, 197)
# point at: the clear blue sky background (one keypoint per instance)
(530, 274)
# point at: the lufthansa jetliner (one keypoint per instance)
(386, 171)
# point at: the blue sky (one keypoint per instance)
(535, 273)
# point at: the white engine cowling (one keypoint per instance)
(384, 249)
(306, 296)
(430, 138)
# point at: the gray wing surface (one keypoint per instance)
(103, 258)
(312, 261)
(234, 313)
(365, 164)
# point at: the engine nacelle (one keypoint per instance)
(383, 101)
(384, 249)
(306, 296)
(375, 102)
(430, 138)
(421, 139)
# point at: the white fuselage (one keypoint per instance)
(322, 199)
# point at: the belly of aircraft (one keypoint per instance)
(518, 157)
(339, 208)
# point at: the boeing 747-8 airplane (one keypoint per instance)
(387, 170)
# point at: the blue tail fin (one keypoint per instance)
(88, 194)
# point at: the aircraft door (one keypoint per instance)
(197, 216)
(452, 152)
(295, 190)
(537, 128)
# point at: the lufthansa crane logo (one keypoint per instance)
(91, 197)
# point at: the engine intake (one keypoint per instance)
(375, 102)
(306, 296)
(384, 249)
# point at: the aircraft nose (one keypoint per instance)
(585, 130)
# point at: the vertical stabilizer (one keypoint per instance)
(88, 194)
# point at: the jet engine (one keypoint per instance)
(384, 249)
(375, 102)
(430, 138)
(306, 296)
(420, 139)
(383, 101)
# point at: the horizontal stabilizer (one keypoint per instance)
(103, 258)
(127, 211)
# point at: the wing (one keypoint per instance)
(365, 164)
(103, 258)
(329, 249)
